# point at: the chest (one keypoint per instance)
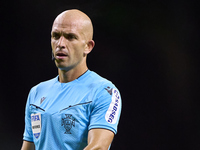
(61, 99)
(67, 109)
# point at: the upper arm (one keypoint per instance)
(106, 110)
(104, 119)
(28, 146)
(99, 139)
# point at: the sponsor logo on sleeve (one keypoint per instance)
(113, 110)
(36, 124)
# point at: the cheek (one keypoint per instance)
(79, 49)
(53, 44)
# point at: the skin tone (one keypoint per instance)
(28, 146)
(99, 139)
(71, 41)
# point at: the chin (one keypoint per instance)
(64, 68)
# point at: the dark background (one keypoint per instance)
(148, 49)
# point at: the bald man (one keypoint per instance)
(78, 109)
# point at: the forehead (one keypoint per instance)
(64, 28)
(67, 25)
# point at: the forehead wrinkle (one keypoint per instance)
(65, 27)
(71, 28)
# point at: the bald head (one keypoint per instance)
(75, 18)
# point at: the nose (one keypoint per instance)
(61, 42)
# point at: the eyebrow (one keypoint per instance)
(64, 33)
(55, 31)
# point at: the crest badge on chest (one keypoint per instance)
(68, 122)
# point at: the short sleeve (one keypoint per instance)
(106, 109)
(28, 135)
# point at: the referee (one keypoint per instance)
(78, 109)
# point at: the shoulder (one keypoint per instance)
(44, 84)
(102, 85)
(99, 81)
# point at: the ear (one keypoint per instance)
(89, 46)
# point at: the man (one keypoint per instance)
(78, 109)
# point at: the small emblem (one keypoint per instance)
(109, 90)
(42, 99)
(68, 122)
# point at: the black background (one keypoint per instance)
(148, 49)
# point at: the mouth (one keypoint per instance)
(61, 55)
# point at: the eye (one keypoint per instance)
(71, 37)
(56, 36)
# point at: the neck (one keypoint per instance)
(70, 75)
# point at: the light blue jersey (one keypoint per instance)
(59, 115)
